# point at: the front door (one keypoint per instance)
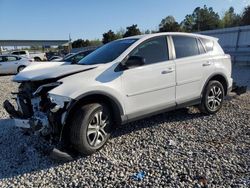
(150, 87)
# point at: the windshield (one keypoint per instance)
(107, 53)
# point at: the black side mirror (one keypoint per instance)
(134, 61)
(73, 61)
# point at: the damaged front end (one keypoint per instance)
(38, 110)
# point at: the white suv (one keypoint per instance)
(122, 81)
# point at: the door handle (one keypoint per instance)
(167, 71)
(206, 64)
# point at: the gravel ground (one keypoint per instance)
(176, 149)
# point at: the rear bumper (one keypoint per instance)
(230, 86)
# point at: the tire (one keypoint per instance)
(87, 133)
(20, 69)
(37, 59)
(212, 98)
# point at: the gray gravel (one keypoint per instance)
(176, 149)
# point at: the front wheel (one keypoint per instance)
(90, 128)
(20, 69)
(213, 97)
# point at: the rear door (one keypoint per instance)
(192, 64)
(150, 87)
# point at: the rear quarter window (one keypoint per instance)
(208, 44)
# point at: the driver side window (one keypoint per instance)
(154, 50)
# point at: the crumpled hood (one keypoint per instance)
(49, 70)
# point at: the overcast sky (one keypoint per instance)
(89, 19)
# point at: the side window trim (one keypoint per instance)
(202, 45)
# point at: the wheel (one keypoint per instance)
(20, 69)
(213, 97)
(37, 59)
(90, 128)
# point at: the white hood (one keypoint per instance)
(49, 70)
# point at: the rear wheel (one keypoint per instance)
(90, 128)
(213, 97)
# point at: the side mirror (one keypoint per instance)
(73, 61)
(134, 61)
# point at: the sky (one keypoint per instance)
(89, 19)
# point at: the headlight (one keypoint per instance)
(59, 101)
(46, 87)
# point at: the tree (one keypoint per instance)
(95, 42)
(230, 18)
(132, 31)
(79, 43)
(246, 16)
(108, 37)
(201, 19)
(169, 24)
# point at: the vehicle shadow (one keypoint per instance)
(153, 121)
(22, 153)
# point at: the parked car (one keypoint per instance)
(122, 81)
(56, 58)
(11, 64)
(35, 56)
(75, 58)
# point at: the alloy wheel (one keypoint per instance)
(96, 133)
(214, 98)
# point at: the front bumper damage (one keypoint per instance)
(40, 114)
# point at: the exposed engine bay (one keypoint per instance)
(36, 109)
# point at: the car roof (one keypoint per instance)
(171, 33)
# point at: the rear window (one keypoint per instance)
(208, 44)
(185, 46)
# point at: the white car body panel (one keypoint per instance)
(149, 82)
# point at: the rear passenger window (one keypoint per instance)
(22, 53)
(15, 53)
(209, 44)
(154, 50)
(185, 46)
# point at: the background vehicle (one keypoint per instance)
(122, 81)
(11, 64)
(75, 58)
(35, 56)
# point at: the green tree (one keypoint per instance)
(79, 43)
(120, 33)
(169, 24)
(132, 31)
(246, 16)
(230, 18)
(201, 19)
(95, 42)
(108, 37)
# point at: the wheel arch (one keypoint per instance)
(101, 97)
(218, 77)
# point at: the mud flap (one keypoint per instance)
(239, 90)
